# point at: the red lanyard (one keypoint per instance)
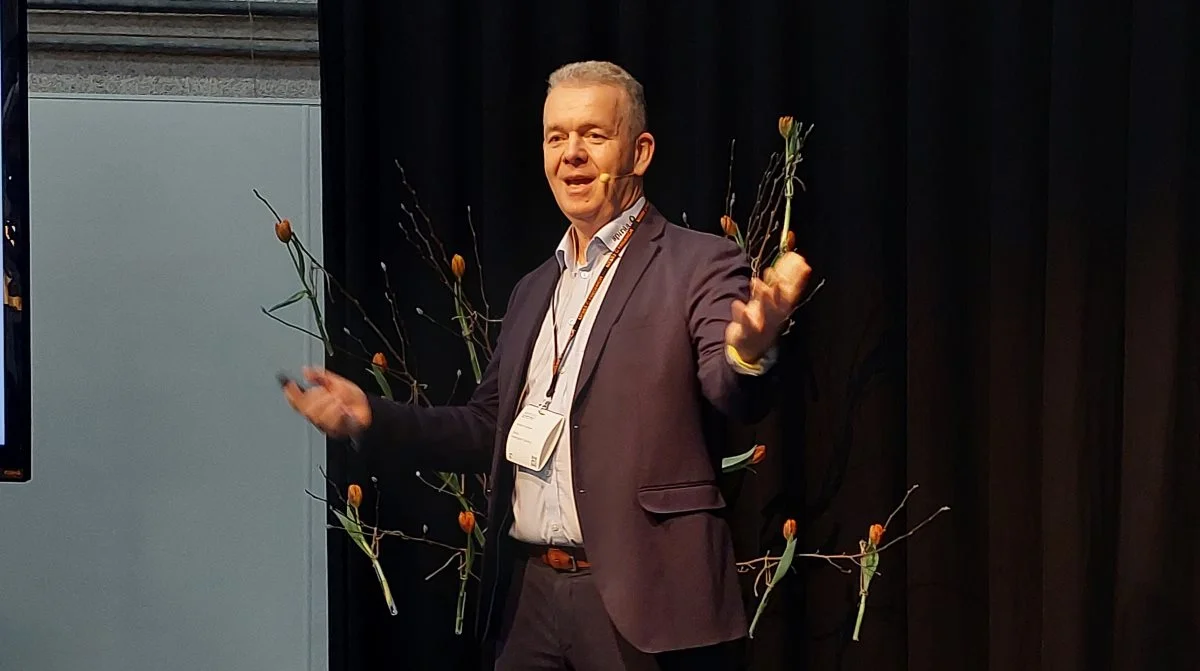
(558, 358)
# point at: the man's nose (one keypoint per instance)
(575, 154)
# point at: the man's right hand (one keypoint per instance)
(335, 405)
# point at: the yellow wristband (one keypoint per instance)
(737, 359)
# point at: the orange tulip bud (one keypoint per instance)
(466, 521)
(283, 231)
(785, 126)
(760, 453)
(729, 225)
(354, 495)
(875, 535)
(379, 360)
(458, 266)
(790, 242)
(789, 529)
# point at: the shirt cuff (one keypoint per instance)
(757, 368)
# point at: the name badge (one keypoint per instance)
(533, 436)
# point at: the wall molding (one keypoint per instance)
(211, 48)
(231, 34)
(295, 8)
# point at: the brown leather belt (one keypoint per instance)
(559, 558)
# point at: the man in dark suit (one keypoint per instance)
(606, 546)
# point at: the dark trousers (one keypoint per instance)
(555, 621)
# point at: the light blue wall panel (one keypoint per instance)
(166, 526)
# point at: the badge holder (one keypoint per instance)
(533, 436)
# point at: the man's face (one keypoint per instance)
(586, 133)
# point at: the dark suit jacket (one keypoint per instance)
(645, 457)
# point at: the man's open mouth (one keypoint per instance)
(578, 183)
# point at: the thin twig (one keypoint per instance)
(289, 324)
(264, 201)
(729, 182)
(904, 500)
(417, 203)
(478, 261)
(338, 285)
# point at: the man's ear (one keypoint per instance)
(643, 153)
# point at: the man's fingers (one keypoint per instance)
(320, 376)
(294, 394)
(771, 276)
(739, 308)
(754, 317)
(734, 334)
(734, 331)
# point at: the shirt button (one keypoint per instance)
(554, 527)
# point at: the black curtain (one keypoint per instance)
(1002, 200)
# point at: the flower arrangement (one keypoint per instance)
(471, 325)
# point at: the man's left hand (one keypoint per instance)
(757, 323)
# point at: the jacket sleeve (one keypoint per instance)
(715, 284)
(454, 438)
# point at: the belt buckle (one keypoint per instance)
(561, 560)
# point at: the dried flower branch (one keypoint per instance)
(867, 560)
(472, 329)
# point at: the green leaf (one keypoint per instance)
(381, 379)
(299, 295)
(785, 562)
(355, 532)
(478, 532)
(737, 461)
(387, 591)
(870, 564)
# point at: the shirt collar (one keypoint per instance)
(605, 239)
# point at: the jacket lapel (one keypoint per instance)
(524, 327)
(642, 248)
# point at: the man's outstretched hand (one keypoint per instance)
(335, 405)
(757, 323)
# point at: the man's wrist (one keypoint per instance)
(756, 365)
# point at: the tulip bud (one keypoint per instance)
(760, 453)
(875, 535)
(466, 521)
(379, 360)
(729, 226)
(785, 126)
(789, 530)
(458, 266)
(789, 243)
(283, 231)
(354, 495)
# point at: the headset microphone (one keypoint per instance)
(606, 177)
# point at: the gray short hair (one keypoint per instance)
(606, 73)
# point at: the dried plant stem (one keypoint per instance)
(308, 289)
(466, 332)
